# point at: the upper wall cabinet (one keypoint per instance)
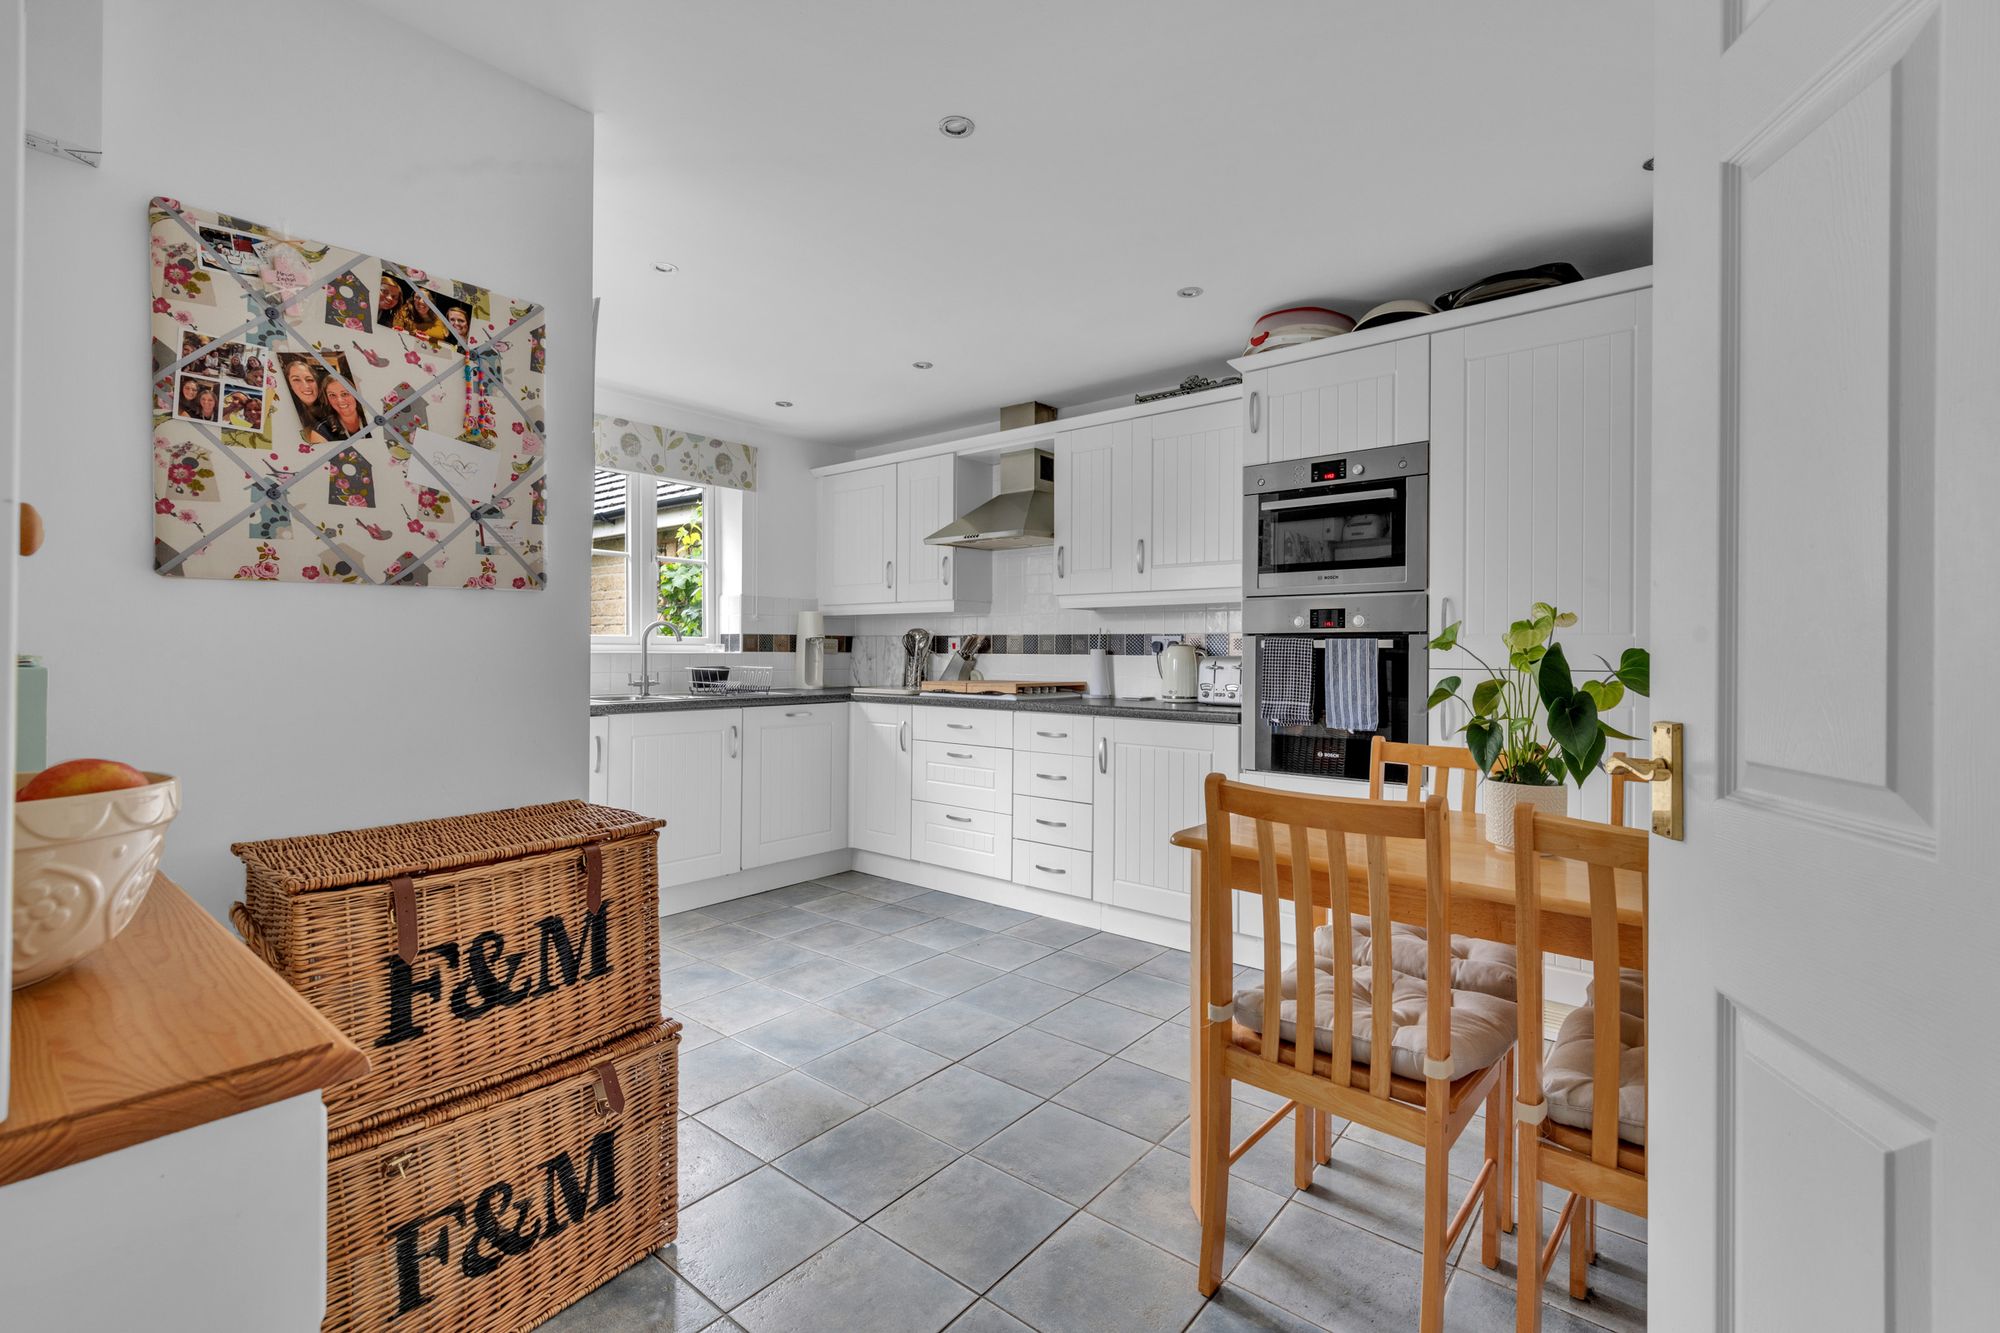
(1148, 509)
(873, 522)
(1540, 445)
(1338, 403)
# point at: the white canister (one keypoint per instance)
(1097, 675)
(809, 651)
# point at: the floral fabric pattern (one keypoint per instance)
(662, 451)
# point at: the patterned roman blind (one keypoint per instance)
(663, 451)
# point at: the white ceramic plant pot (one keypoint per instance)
(82, 865)
(1501, 799)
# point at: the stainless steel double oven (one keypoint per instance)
(1335, 615)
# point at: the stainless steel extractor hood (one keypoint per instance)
(1022, 514)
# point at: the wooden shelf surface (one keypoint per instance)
(171, 1025)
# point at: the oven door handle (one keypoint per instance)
(1330, 497)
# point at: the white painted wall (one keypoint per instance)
(289, 708)
(768, 539)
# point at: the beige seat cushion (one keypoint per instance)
(1486, 966)
(1631, 991)
(1482, 1026)
(1566, 1077)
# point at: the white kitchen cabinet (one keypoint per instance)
(685, 768)
(1540, 447)
(1337, 403)
(600, 760)
(964, 776)
(980, 842)
(873, 556)
(878, 777)
(1150, 506)
(794, 794)
(1149, 779)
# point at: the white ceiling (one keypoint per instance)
(786, 156)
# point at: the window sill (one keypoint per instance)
(626, 646)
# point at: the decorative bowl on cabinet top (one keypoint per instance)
(82, 866)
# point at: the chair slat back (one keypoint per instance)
(1604, 850)
(1304, 847)
(1618, 781)
(1443, 760)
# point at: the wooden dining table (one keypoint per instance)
(1482, 907)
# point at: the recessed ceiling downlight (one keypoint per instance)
(664, 267)
(1188, 293)
(955, 127)
(920, 365)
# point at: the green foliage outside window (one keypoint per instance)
(682, 581)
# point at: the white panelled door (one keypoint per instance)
(1149, 779)
(1094, 508)
(794, 782)
(878, 777)
(924, 504)
(685, 768)
(1194, 536)
(1825, 1076)
(858, 537)
(1335, 404)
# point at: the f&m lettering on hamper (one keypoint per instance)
(487, 972)
(500, 1224)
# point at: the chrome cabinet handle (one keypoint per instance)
(1139, 555)
(1049, 870)
(1051, 823)
(1059, 563)
(1054, 735)
(959, 819)
(903, 737)
(597, 754)
(889, 573)
(954, 754)
(1104, 754)
(734, 736)
(1254, 396)
(959, 726)
(800, 714)
(1052, 777)
(947, 571)
(1444, 614)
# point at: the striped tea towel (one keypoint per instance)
(1284, 679)
(1351, 700)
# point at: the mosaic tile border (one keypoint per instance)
(1012, 645)
(781, 643)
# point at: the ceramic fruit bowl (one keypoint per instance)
(82, 865)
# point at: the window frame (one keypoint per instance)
(642, 571)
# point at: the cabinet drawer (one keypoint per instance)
(1051, 733)
(977, 841)
(1062, 777)
(977, 777)
(1058, 869)
(1058, 823)
(972, 726)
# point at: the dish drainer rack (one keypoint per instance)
(729, 680)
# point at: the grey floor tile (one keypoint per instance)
(937, 902)
(887, 890)
(890, 918)
(735, 909)
(884, 953)
(830, 935)
(791, 895)
(849, 880)
(676, 924)
(862, 1165)
(730, 1011)
(1090, 1277)
(986, 1317)
(1376, 1190)
(810, 894)
(961, 1106)
(775, 1117)
(1466, 1154)
(648, 1297)
(803, 1035)
(1625, 1224)
(1116, 949)
(1041, 1062)
(744, 1236)
(717, 941)
(880, 1001)
(991, 915)
(709, 1161)
(972, 1221)
(1130, 1097)
(861, 1281)
(1336, 1275)
(1098, 1024)
(1047, 930)
(1234, 1310)
(718, 1071)
(947, 974)
(1071, 971)
(767, 956)
(1062, 1152)
(951, 1028)
(1151, 1201)
(1617, 1298)
(782, 922)
(875, 1068)
(1005, 952)
(695, 980)
(1269, 1163)
(1021, 999)
(1471, 1305)
(1165, 1048)
(944, 933)
(1149, 995)
(1173, 965)
(672, 959)
(819, 978)
(694, 1035)
(848, 907)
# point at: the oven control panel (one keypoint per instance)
(1330, 469)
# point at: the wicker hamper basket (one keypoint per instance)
(491, 1213)
(459, 953)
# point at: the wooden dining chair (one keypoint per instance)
(1580, 1119)
(1324, 1032)
(1441, 760)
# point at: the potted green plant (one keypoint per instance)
(1538, 723)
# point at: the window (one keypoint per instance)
(655, 568)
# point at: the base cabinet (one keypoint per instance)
(878, 778)
(685, 768)
(794, 788)
(1149, 785)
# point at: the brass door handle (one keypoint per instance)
(1663, 773)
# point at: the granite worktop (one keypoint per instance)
(1155, 709)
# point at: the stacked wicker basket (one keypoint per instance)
(512, 1145)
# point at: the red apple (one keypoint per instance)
(81, 777)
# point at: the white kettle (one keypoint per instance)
(1178, 664)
